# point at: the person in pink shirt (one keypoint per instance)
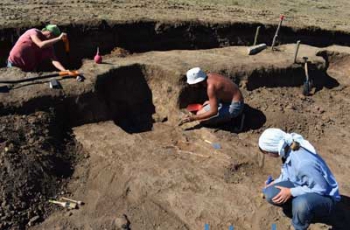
(34, 46)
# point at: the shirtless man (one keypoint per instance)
(34, 46)
(225, 99)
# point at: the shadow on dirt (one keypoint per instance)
(340, 219)
(253, 119)
(323, 80)
(192, 95)
(128, 99)
(290, 77)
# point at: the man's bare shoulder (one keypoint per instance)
(214, 75)
(218, 79)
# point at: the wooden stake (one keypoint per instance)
(296, 51)
(256, 35)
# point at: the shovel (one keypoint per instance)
(307, 83)
(277, 31)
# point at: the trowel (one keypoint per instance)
(67, 205)
(215, 145)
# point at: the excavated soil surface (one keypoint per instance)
(142, 165)
(137, 162)
(37, 157)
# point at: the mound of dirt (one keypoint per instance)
(120, 52)
(34, 161)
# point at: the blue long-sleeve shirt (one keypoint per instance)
(309, 173)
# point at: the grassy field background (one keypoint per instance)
(333, 15)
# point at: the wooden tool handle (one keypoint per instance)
(66, 46)
(72, 73)
(306, 71)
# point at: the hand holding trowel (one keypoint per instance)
(192, 108)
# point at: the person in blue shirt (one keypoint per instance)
(306, 184)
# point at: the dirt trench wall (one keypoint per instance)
(36, 158)
(132, 96)
(135, 96)
(269, 77)
(143, 36)
(337, 65)
(293, 76)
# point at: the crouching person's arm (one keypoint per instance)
(278, 193)
(58, 65)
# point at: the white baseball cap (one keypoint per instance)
(195, 75)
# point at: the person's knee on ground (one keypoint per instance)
(271, 191)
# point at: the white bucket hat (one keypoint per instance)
(195, 75)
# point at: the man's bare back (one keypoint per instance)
(225, 90)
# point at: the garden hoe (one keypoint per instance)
(53, 83)
(62, 74)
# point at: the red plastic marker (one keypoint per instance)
(194, 107)
(98, 58)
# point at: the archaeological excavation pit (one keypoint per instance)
(115, 143)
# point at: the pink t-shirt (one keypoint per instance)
(26, 54)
